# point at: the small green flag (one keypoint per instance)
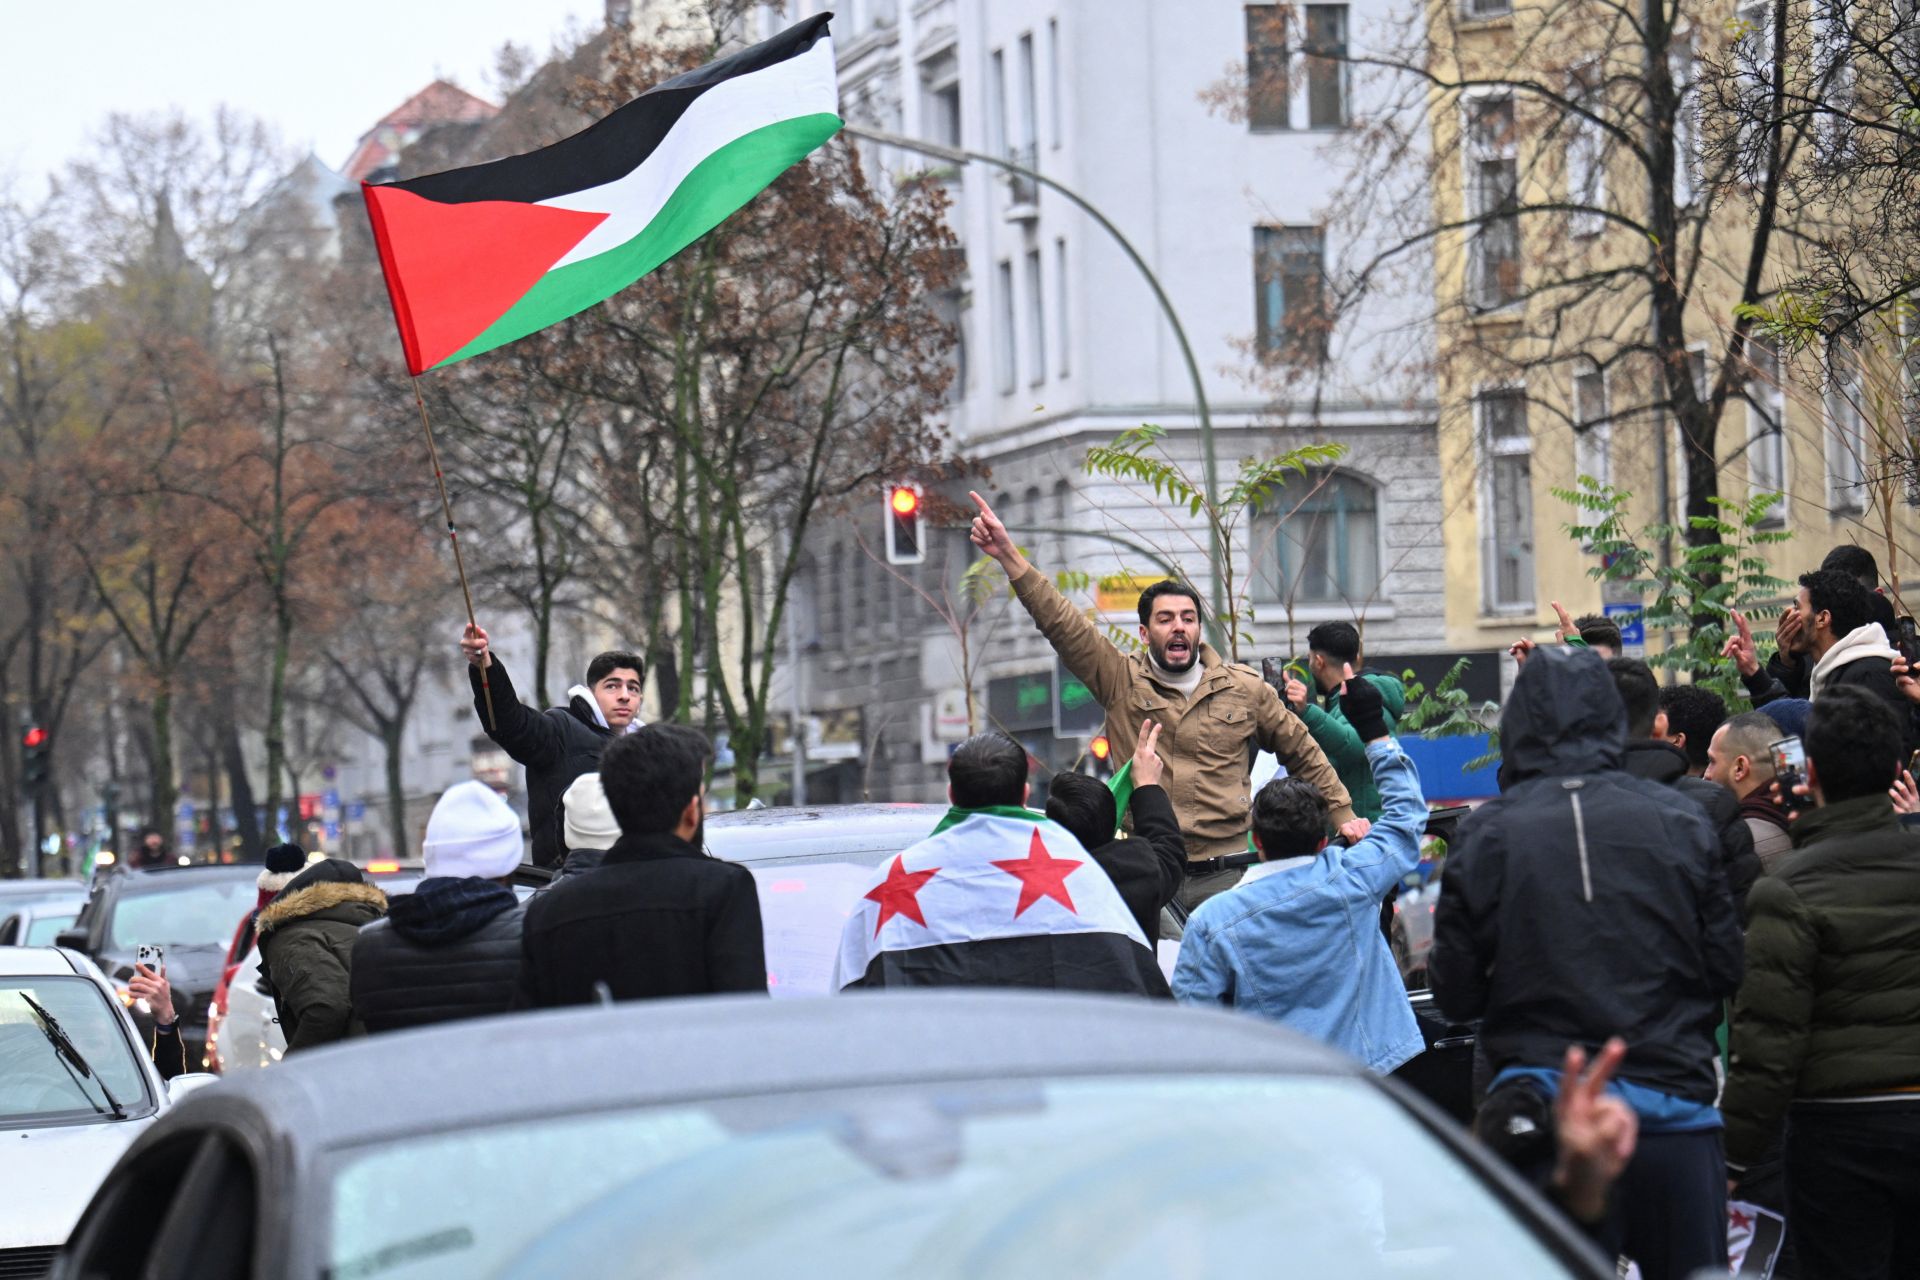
(1121, 784)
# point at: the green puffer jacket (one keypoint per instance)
(306, 949)
(1343, 748)
(1830, 1007)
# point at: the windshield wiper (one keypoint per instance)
(74, 1060)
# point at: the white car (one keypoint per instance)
(250, 1030)
(76, 1088)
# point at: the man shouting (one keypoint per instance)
(1210, 710)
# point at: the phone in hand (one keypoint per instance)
(1913, 765)
(1906, 638)
(151, 955)
(1790, 771)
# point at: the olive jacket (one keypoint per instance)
(306, 947)
(1205, 739)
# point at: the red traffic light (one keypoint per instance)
(904, 501)
(34, 737)
(1100, 747)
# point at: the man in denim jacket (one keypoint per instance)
(1298, 939)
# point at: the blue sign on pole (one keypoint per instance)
(1631, 621)
(330, 800)
(333, 831)
(356, 811)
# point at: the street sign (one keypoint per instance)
(356, 811)
(1631, 621)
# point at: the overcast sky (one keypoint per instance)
(321, 74)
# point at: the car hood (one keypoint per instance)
(52, 1173)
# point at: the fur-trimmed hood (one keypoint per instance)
(319, 897)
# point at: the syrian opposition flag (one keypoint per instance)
(998, 898)
(477, 257)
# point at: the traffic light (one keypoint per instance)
(904, 544)
(1101, 749)
(35, 758)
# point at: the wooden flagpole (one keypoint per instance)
(453, 536)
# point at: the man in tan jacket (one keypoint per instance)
(1210, 711)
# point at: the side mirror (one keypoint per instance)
(180, 1086)
(72, 939)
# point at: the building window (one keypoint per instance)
(1683, 67)
(1317, 541)
(997, 104)
(1593, 427)
(1268, 93)
(1909, 329)
(1053, 80)
(1036, 322)
(1766, 422)
(1487, 8)
(1289, 276)
(1029, 122)
(950, 310)
(1506, 521)
(1004, 372)
(1834, 71)
(1060, 295)
(1493, 202)
(1586, 152)
(940, 100)
(1326, 66)
(1847, 431)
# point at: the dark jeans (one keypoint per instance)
(1670, 1206)
(1853, 1188)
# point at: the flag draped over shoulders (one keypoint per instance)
(996, 897)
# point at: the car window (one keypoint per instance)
(42, 930)
(38, 1084)
(198, 914)
(1150, 1177)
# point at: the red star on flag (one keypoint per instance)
(1041, 876)
(1740, 1219)
(896, 893)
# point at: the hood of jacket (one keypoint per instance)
(1563, 718)
(1861, 642)
(1656, 761)
(444, 909)
(586, 709)
(323, 895)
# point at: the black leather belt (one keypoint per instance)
(1225, 862)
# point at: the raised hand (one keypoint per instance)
(473, 643)
(1565, 627)
(151, 986)
(1788, 631)
(1295, 693)
(990, 535)
(1520, 649)
(1740, 646)
(1595, 1131)
(1148, 767)
(1904, 680)
(1905, 797)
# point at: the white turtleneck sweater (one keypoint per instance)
(1185, 681)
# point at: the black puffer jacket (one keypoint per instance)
(1665, 763)
(448, 950)
(1584, 902)
(1149, 868)
(556, 746)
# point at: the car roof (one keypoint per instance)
(648, 1053)
(819, 833)
(131, 880)
(37, 962)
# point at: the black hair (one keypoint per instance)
(1289, 817)
(1749, 734)
(1858, 561)
(1598, 629)
(1639, 690)
(611, 661)
(1839, 593)
(1695, 712)
(652, 774)
(1084, 806)
(1854, 740)
(1338, 640)
(988, 769)
(1168, 587)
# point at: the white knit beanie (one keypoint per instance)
(589, 823)
(472, 832)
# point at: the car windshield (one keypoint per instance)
(198, 914)
(1150, 1177)
(37, 1084)
(42, 930)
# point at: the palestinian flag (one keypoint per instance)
(475, 258)
(996, 898)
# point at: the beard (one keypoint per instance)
(1178, 666)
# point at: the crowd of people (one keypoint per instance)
(1690, 940)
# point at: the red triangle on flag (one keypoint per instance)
(453, 269)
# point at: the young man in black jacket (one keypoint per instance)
(1584, 903)
(1148, 869)
(659, 917)
(561, 743)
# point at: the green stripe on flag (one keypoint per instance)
(716, 187)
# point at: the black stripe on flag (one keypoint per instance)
(1109, 962)
(613, 147)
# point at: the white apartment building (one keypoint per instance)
(1064, 345)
